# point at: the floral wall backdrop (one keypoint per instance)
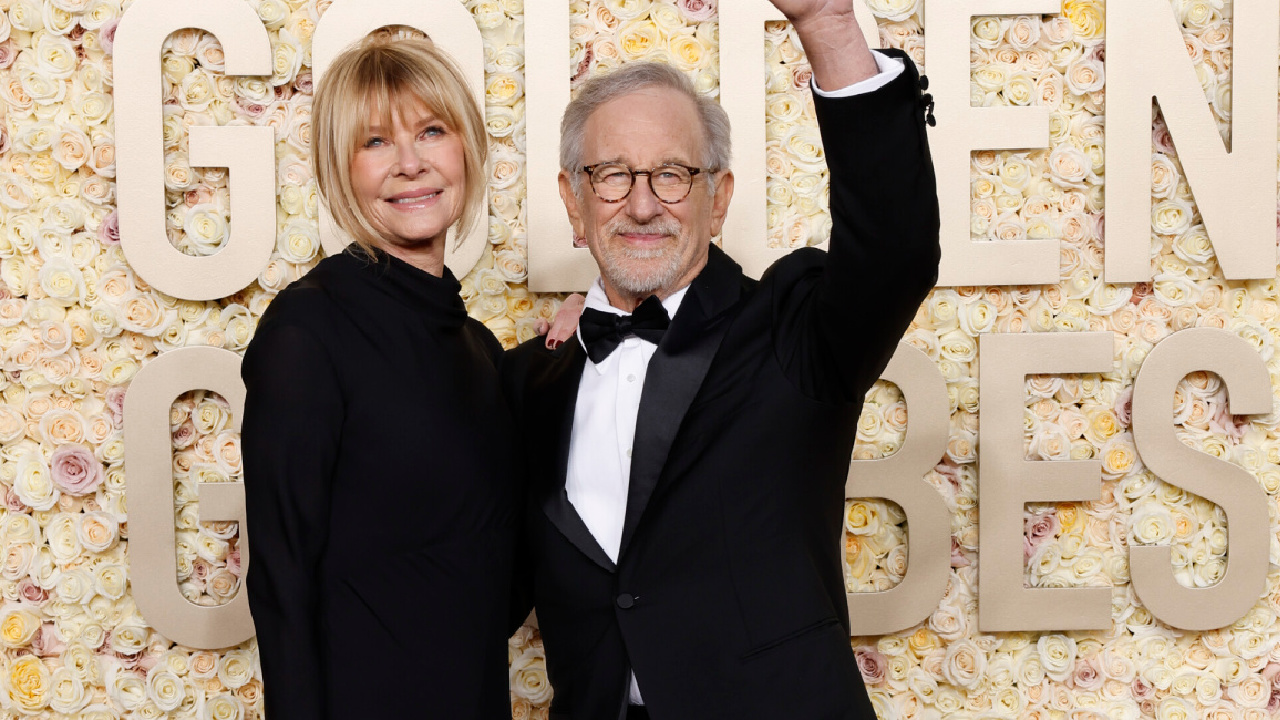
(76, 324)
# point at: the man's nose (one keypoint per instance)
(642, 204)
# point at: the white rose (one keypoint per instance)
(74, 586)
(298, 241)
(894, 10)
(164, 688)
(110, 580)
(67, 692)
(235, 669)
(286, 58)
(964, 664)
(55, 56)
(33, 483)
(61, 536)
(62, 281)
(1057, 654)
(97, 531)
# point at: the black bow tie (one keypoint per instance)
(602, 331)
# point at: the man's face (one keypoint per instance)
(643, 245)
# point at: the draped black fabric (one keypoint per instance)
(381, 485)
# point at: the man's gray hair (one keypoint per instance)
(597, 91)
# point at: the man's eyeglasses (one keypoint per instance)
(612, 182)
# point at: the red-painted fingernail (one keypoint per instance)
(552, 344)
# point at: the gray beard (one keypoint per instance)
(618, 263)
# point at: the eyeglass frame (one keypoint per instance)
(693, 173)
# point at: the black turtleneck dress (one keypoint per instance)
(381, 492)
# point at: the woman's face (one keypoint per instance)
(410, 178)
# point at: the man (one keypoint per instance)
(685, 535)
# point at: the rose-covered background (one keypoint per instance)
(76, 324)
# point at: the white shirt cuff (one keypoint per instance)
(890, 68)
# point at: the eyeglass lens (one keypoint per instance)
(614, 181)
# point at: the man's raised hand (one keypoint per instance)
(832, 40)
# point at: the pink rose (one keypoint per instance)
(872, 663)
(115, 393)
(250, 109)
(46, 642)
(107, 35)
(12, 502)
(697, 10)
(4, 139)
(801, 76)
(1224, 422)
(30, 592)
(1141, 689)
(109, 230)
(7, 54)
(1160, 135)
(1036, 529)
(958, 560)
(1085, 676)
(75, 470)
(304, 83)
(184, 435)
(1124, 406)
(233, 562)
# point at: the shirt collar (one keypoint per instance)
(598, 300)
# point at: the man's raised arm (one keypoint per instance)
(837, 333)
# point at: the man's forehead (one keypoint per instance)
(660, 124)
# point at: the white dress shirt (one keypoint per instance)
(604, 418)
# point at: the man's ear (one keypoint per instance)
(720, 200)
(572, 206)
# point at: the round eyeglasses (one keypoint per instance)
(612, 182)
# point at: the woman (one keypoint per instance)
(380, 478)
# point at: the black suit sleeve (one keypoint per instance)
(837, 327)
(290, 436)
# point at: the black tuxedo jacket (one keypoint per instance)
(728, 597)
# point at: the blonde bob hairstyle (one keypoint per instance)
(391, 69)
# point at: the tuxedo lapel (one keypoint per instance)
(675, 373)
(556, 395)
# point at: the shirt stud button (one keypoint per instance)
(626, 601)
(631, 378)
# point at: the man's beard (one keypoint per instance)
(640, 271)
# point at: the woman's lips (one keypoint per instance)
(414, 199)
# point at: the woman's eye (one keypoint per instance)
(374, 141)
(433, 131)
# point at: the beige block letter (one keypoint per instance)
(1229, 486)
(249, 152)
(1007, 482)
(555, 265)
(900, 478)
(149, 492)
(1235, 191)
(961, 129)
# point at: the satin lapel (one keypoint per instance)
(674, 376)
(556, 392)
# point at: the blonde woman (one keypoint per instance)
(380, 477)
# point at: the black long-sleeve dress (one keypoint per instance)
(381, 487)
